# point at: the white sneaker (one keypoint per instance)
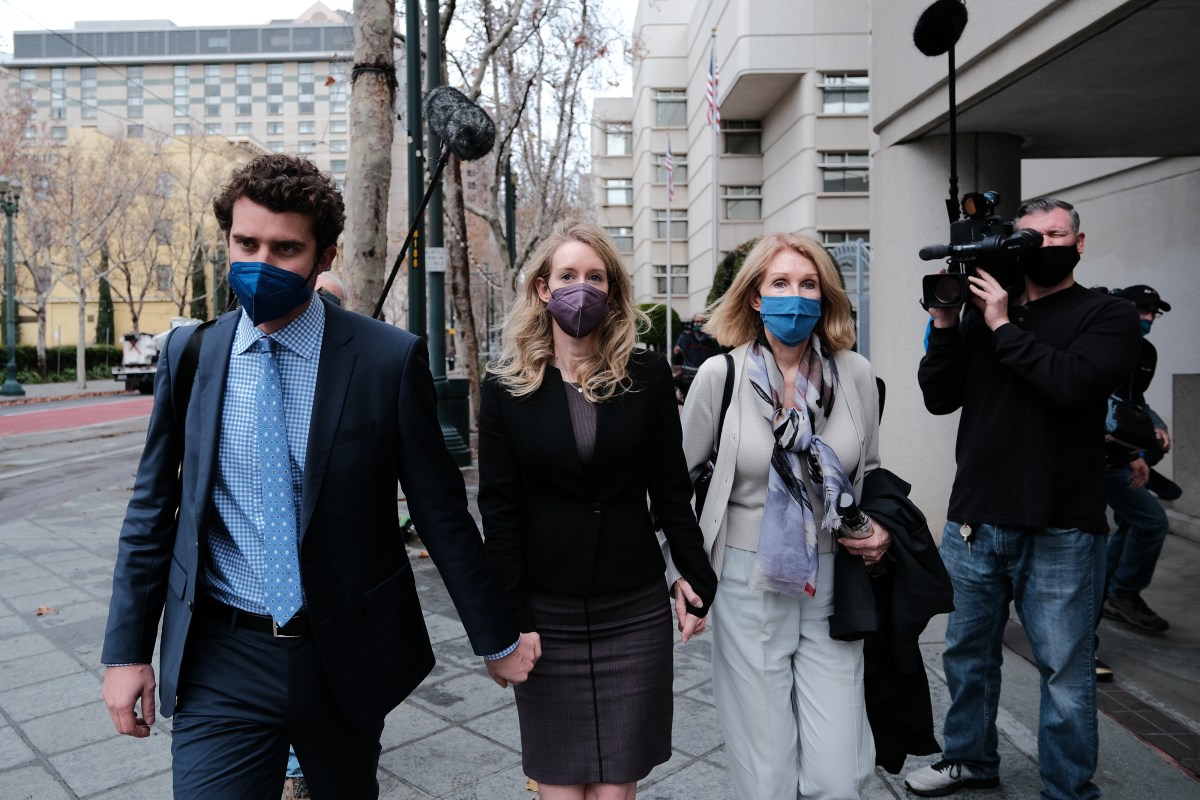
(946, 777)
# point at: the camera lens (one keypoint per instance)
(948, 289)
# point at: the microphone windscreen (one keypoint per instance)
(463, 126)
(932, 252)
(939, 27)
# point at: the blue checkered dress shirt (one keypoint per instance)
(236, 560)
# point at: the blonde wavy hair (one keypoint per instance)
(733, 321)
(528, 334)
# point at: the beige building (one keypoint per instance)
(791, 153)
(1091, 100)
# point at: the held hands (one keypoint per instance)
(689, 624)
(1141, 473)
(871, 548)
(515, 667)
(123, 687)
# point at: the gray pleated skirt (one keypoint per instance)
(597, 707)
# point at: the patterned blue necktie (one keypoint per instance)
(281, 578)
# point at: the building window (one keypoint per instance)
(337, 91)
(307, 95)
(660, 172)
(135, 131)
(742, 202)
(671, 108)
(212, 129)
(622, 238)
(212, 89)
(164, 185)
(618, 139)
(134, 96)
(679, 227)
(243, 128)
(162, 232)
(181, 88)
(30, 132)
(182, 129)
(58, 133)
(306, 147)
(243, 90)
(274, 88)
(307, 127)
(274, 129)
(840, 237)
(844, 94)
(275, 146)
(679, 279)
(163, 273)
(618, 192)
(337, 146)
(87, 92)
(743, 137)
(337, 165)
(58, 93)
(337, 126)
(845, 172)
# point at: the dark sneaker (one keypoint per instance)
(1104, 673)
(1134, 611)
(946, 777)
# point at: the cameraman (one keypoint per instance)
(692, 348)
(1134, 547)
(1026, 519)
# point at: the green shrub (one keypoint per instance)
(656, 336)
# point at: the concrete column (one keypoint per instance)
(1185, 443)
(909, 186)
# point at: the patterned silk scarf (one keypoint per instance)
(800, 459)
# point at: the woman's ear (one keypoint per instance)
(542, 289)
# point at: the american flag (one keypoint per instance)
(669, 167)
(710, 92)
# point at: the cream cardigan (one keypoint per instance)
(851, 428)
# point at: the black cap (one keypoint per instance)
(1143, 296)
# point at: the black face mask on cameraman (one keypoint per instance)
(1048, 266)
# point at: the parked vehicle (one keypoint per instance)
(139, 356)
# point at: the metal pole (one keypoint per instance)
(11, 388)
(416, 143)
(670, 344)
(437, 280)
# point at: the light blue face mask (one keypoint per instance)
(790, 318)
(267, 292)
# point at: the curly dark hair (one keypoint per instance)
(286, 183)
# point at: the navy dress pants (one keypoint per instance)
(243, 696)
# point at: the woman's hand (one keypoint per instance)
(871, 548)
(689, 624)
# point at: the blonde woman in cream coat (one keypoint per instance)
(789, 697)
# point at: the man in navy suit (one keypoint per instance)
(263, 525)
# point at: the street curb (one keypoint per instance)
(24, 401)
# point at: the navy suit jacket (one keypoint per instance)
(374, 422)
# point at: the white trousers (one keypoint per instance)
(789, 698)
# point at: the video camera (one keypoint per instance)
(981, 239)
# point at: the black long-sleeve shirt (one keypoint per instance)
(1030, 444)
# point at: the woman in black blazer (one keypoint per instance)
(577, 429)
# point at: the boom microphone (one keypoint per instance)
(462, 126)
(939, 27)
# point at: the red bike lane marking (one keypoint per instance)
(50, 419)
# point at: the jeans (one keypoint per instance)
(293, 767)
(1133, 548)
(1056, 577)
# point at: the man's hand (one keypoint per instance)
(944, 317)
(989, 297)
(123, 687)
(1141, 473)
(871, 548)
(689, 624)
(1164, 439)
(515, 667)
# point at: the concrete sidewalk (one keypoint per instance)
(457, 736)
(45, 392)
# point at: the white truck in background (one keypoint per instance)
(139, 356)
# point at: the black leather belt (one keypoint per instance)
(217, 611)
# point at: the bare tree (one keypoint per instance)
(369, 163)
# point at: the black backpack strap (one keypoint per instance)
(726, 397)
(185, 376)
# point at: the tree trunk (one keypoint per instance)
(369, 162)
(460, 277)
(81, 347)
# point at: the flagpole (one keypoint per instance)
(670, 342)
(715, 124)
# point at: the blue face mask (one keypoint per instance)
(791, 318)
(1145, 323)
(267, 292)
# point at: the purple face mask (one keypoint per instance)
(578, 309)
